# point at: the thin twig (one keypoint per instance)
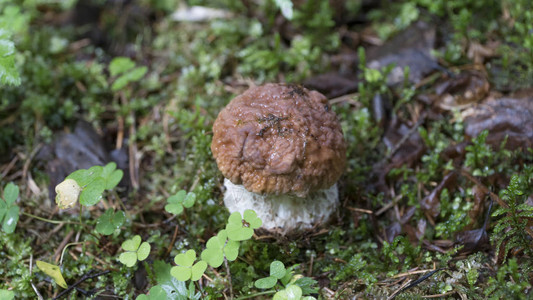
(229, 278)
(82, 279)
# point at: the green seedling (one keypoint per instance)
(186, 269)
(110, 221)
(87, 185)
(135, 251)
(9, 212)
(218, 247)
(295, 286)
(52, 271)
(177, 202)
(126, 71)
(241, 228)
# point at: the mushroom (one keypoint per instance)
(281, 150)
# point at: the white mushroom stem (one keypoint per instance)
(286, 212)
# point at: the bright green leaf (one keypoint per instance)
(277, 269)
(132, 244)
(83, 177)
(188, 202)
(266, 283)
(185, 259)
(52, 271)
(236, 230)
(214, 257)
(181, 273)
(198, 270)
(291, 292)
(231, 250)
(114, 179)
(92, 193)
(128, 258)
(10, 219)
(143, 251)
(251, 218)
(108, 222)
(11, 193)
(120, 65)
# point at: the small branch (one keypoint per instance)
(82, 279)
(229, 278)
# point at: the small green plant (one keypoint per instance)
(9, 211)
(512, 228)
(295, 286)
(110, 221)
(135, 251)
(126, 71)
(223, 246)
(87, 185)
(218, 248)
(178, 201)
(186, 268)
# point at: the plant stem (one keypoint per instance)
(48, 220)
(256, 294)
(229, 278)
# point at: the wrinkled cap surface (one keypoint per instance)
(279, 139)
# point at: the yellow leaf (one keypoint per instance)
(52, 271)
(68, 193)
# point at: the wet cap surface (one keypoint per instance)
(279, 139)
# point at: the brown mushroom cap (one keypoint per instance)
(279, 139)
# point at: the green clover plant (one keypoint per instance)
(242, 228)
(91, 183)
(186, 269)
(135, 251)
(9, 211)
(109, 221)
(223, 246)
(178, 201)
(295, 285)
(218, 247)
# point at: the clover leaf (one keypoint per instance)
(91, 183)
(111, 175)
(178, 201)
(277, 271)
(219, 246)
(108, 222)
(185, 268)
(9, 212)
(134, 251)
(291, 292)
(155, 293)
(240, 229)
(52, 271)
